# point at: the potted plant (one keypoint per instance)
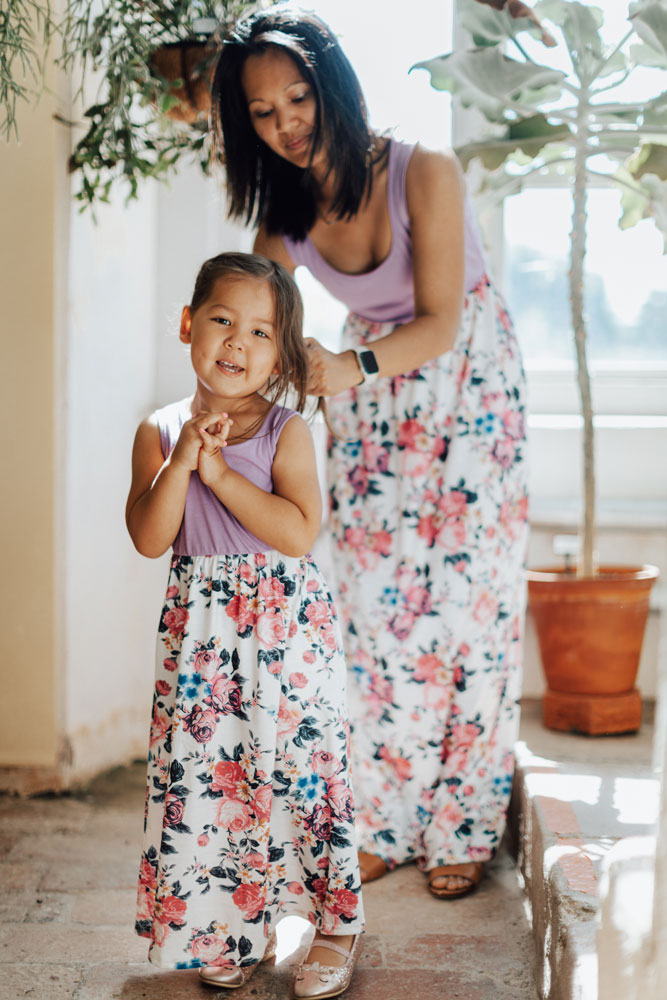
(150, 63)
(590, 623)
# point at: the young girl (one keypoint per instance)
(249, 812)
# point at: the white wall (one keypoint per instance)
(109, 386)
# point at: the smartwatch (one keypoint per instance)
(368, 365)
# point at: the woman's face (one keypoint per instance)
(281, 105)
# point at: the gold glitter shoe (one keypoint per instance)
(321, 981)
(233, 979)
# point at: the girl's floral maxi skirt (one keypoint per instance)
(427, 480)
(249, 813)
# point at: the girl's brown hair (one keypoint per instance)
(288, 316)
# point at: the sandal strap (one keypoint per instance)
(469, 870)
(333, 947)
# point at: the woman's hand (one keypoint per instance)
(213, 437)
(329, 373)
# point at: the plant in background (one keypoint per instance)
(134, 128)
(572, 125)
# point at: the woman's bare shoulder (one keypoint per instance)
(272, 246)
(433, 176)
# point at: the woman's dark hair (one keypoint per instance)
(287, 317)
(262, 186)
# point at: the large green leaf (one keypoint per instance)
(491, 27)
(655, 112)
(530, 135)
(493, 83)
(644, 199)
(580, 25)
(649, 19)
(651, 158)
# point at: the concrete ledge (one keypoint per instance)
(569, 810)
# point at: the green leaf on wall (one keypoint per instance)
(529, 135)
(649, 19)
(492, 82)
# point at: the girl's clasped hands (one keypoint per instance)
(199, 445)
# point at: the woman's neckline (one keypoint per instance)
(390, 209)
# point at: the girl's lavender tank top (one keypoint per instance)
(208, 528)
(386, 294)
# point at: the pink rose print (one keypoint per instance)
(309, 656)
(270, 628)
(233, 815)
(298, 680)
(169, 664)
(242, 611)
(427, 529)
(319, 822)
(453, 504)
(250, 900)
(145, 904)
(340, 799)
(401, 765)
(210, 948)
(401, 625)
(513, 424)
(380, 542)
(295, 888)
(430, 669)
(464, 734)
(176, 619)
(247, 574)
(319, 887)
(253, 859)
(452, 535)
(160, 725)
(202, 839)
(200, 723)
(504, 452)
(325, 764)
(162, 687)
(271, 591)
(147, 874)
(358, 478)
(225, 696)
(418, 600)
(262, 802)
(173, 812)
(206, 663)
(317, 613)
(289, 717)
(226, 777)
(170, 910)
(344, 903)
(486, 608)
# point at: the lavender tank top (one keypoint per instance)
(386, 294)
(208, 528)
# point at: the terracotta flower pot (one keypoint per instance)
(193, 63)
(590, 633)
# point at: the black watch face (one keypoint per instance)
(368, 362)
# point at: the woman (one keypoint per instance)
(426, 472)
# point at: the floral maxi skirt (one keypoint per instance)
(428, 512)
(249, 813)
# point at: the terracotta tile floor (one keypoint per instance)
(67, 875)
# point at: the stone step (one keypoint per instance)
(579, 804)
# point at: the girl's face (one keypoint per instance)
(281, 105)
(234, 348)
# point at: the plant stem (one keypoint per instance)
(578, 254)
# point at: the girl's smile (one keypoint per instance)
(232, 339)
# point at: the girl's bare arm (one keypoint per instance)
(157, 495)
